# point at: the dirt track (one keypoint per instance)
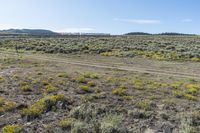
(101, 65)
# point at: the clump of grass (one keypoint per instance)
(87, 98)
(99, 95)
(186, 126)
(140, 114)
(45, 82)
(81, 127)
(81, 79)
(112, 123)
(138, 84)
(45, 104)
(26, 88)
(12, 129)
(91, 75)
(66, 123)
(195, 59)
(85, 88)
(35, 82)
(97, 90)
(180, 94)
(1, 101)
(144, 104)
(87, 111)
(39, 73)
(190, 97)
(63, 75)
(155, 97)
(176, 85)
(51, 88)
(128, 97)
(92, 97)
(110, 78)
(121, 91)
(191, 88)
(23, 83)
(60, 82)
(91, 83)
(6, 105)
(15, 76)
(154, 84)
(96, 119)
(1, 79)
(50, 78)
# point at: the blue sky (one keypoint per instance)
(108, 16)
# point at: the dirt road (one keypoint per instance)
(102, 65)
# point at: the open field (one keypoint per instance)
(139, 84)
(180, 48)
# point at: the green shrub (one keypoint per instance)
(110, 78)
(1, 79)
(185, 126)
(45, 82)
(128, 97)
(12, 129)
(66, 123)
(191, 88)
(6, 105)
(140, 114)
(81, 127)
(190, 97)
(85, 88)
(180, 94)
(26, 88)
(112, 123)
(91, 75)
(81, 79)
(63, 75)
(144, 104)
(91, 83)
(50, 89)
(121, 91)
(138, 84)
(43, 105)
(88, 111)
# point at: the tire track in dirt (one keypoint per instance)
(106, 66)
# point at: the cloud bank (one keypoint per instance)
(75, 30)
(139, 21)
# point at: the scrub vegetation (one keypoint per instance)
(79, 87)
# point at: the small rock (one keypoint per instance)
(148, 130)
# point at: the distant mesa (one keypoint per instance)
(44, 32)
(176, 34)
(28, 31)
(47, 32)
(137, 33)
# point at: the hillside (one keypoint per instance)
(28, 31)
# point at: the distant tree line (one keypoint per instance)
(165, 33)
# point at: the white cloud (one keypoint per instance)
(186, 20)
(76, 30)
(139, 21)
